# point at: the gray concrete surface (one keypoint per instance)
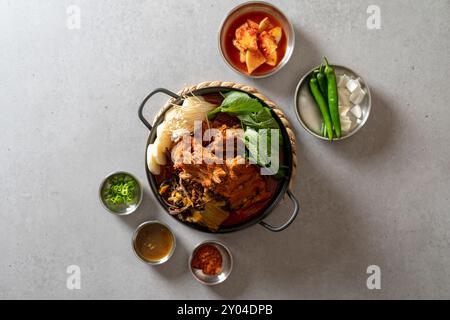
(68, 101)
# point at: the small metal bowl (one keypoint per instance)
(120, 210)
(156, 262)
(257, 6)
(227, 264)
(308, 112)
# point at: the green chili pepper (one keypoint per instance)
(333, 98)
(324, 130)
(321, 102)
(322, 79)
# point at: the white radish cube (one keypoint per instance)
(344, 97)
(346, 125)
(345, 118)
(343, 110)
(343, 81)
(352, 85)
(358, 121)
(356, 111)
(357, 96)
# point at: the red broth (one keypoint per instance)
(233, 54)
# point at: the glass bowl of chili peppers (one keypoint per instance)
(211, 262)
(120, 193)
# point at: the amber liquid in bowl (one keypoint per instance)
(154, 242)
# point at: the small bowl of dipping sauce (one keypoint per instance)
(153, 242)
(211, 262)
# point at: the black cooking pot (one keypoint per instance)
(282, 190)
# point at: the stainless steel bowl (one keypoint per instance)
(120, 210)
(308, 112)
(227, 264)
(158, 262)
(257, 6)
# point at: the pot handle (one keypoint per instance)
(291, 219)
(141, 107)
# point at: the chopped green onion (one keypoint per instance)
(122, 189)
